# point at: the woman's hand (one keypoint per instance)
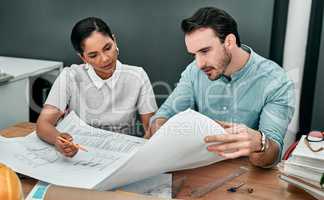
(68, 149)
(156, 124)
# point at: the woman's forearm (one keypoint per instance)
(46, 131)
(45, 127)
(145, 118)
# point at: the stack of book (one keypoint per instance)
(305, 168)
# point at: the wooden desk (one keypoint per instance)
(265, 182)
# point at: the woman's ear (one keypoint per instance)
(82, 58)
(115, 40)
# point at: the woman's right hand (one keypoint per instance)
(68, 149)
(156, 124)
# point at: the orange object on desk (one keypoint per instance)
(10, 186)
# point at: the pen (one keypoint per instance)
(76, 145)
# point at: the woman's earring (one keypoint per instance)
(117, 50)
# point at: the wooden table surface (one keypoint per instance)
(265, 182)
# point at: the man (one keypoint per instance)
(250, 96)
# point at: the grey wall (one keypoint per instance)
(318, 106)
(148, 31)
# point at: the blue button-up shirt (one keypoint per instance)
(259, 95)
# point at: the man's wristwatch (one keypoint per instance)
(263, 142)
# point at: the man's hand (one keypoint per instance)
(156, 124)
(240, 140)
(66, 148)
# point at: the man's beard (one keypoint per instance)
(214, 75)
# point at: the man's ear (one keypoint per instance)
(230, 41)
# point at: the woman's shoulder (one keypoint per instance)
(75, 67)
(132, 69)
(78, 67)
(73, 71)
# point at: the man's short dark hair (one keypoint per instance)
(209, 17)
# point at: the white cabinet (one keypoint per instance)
(15, 97)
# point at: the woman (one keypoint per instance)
(103, 92)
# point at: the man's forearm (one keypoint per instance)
(263, 159)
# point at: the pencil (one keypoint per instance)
(76, 145)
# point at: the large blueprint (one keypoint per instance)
(113, 159)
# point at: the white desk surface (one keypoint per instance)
(22, 67)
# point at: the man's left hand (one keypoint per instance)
(239, 140)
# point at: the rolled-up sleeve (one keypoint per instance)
(180, 99)
(59, 95)
(277, 111)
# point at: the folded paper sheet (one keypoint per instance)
(113, 159)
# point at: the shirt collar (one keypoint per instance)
(238, 74)
(99, 82)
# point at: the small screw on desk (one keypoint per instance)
(250, 190)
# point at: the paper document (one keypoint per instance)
(157, 186)
(113, 159)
